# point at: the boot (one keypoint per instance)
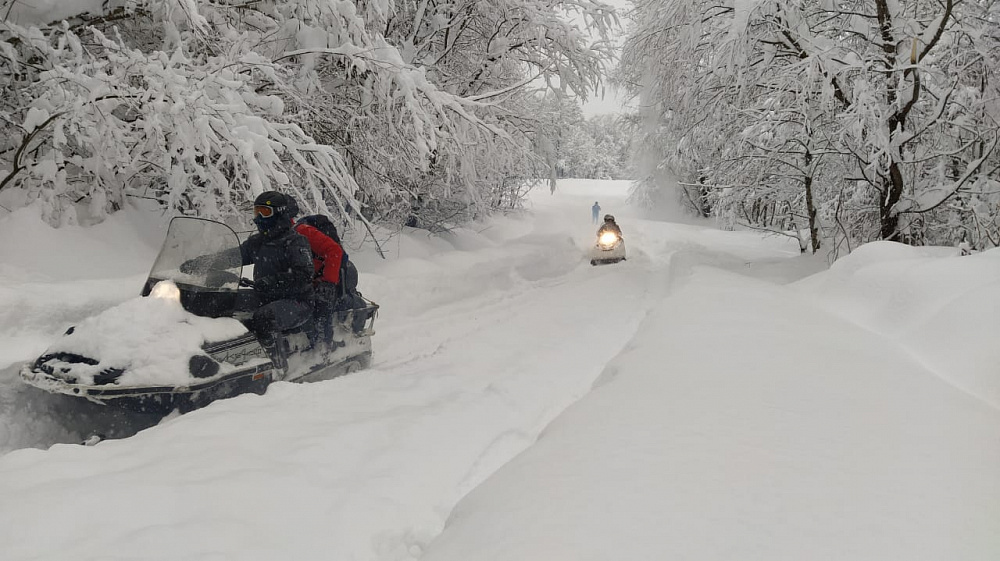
(274, 344)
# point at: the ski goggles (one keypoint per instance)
(263, 211)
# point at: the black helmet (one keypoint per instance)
(273, 211)
(270, 203)
(609, 218)
(293, 207)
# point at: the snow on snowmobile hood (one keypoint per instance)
(150, 338)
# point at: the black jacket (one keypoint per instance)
(283, 266)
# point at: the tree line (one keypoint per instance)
(421, 112)
(835, 121)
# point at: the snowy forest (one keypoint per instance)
(836, 123)
(382, 111)
(780, 345)
(846, 121)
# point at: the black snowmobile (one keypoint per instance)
(220, 369)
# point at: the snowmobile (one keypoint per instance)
(185, 342)
(610, 248)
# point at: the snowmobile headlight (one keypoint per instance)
(608, 238)
(166, 289)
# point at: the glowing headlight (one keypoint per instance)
(608, 238)
(166, 289)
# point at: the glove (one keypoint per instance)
(191, 266)
(326, 291)
(265, 284)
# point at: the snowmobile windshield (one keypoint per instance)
(199, 256)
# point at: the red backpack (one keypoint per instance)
(348, 272)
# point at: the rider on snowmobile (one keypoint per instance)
(609, 226)
(283, 268)
(327, 256)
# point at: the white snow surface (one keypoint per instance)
(744, 422)
(688, 403)
(942, 310)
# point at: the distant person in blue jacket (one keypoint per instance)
(595, 211)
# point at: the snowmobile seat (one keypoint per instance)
(350, 310)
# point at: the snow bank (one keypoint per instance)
(150, 338)
(123, 245)
(744, 423)
(942, 307)
(51, 278)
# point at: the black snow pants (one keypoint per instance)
(274, 318)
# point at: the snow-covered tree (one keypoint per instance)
(597, 147)
(382, 111)
(867, 118)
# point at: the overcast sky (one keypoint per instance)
(611, 103)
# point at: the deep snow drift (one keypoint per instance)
(689, 403)
(745, 422)
(943, 310)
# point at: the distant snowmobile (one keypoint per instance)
(610, 246)
(185, 343)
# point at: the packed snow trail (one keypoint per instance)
(482, 341)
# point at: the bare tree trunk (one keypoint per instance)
(814, 241)
(892, 190)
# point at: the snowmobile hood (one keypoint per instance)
(144, 341)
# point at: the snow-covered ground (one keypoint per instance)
(688, 403)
